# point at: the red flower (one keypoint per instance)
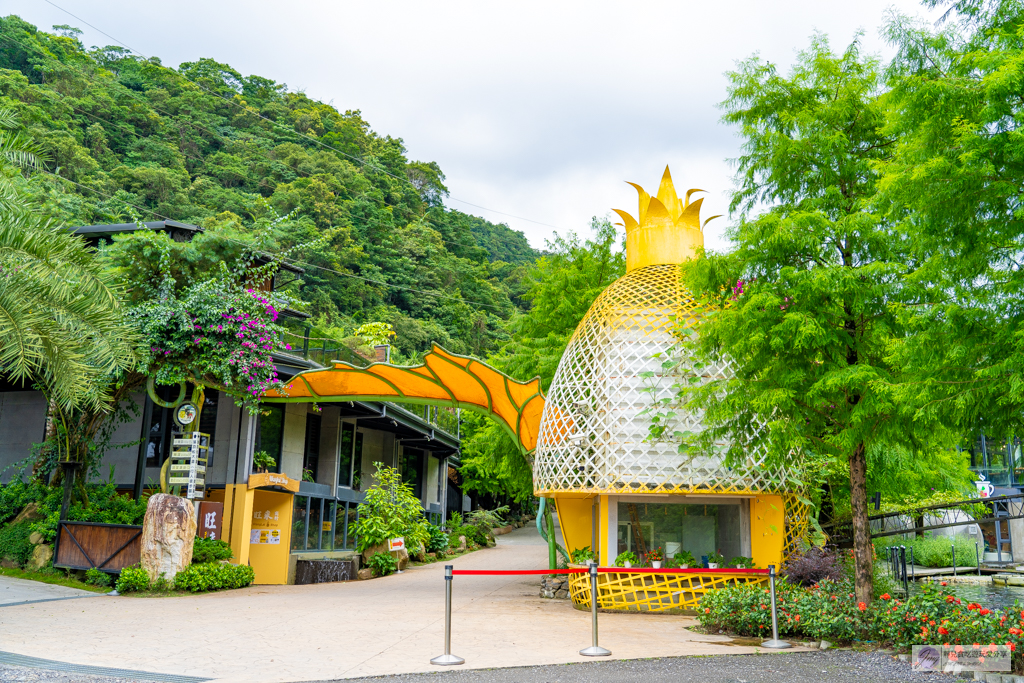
(885, 596)
(943, 631)
(984, 611)
(707, 610)
(1015, 631)
(944, 583)
(975, 646)
(862, 606)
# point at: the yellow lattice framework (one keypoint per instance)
(654, 592)
(594, 435)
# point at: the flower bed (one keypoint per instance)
(829, 611)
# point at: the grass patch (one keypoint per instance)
(56, 577)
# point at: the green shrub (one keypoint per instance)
(210, 550)
(390, 510)
(213, 576)
(437, 540)
(97, 578)
(383, 564)
(133, 578)
(14, 543)
(741, 562)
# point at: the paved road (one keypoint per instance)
(392, 625)
(16, 591)
(833, 667)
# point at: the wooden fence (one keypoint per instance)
(108, 547)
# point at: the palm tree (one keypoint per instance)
(61, 316)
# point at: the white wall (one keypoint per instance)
(294, 442)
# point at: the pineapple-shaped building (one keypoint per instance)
(616, 488)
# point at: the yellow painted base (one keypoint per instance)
(270, 536)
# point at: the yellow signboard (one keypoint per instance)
(263, 479)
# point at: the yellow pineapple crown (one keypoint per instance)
(668, 230)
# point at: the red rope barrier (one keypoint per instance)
(504, 572)
(604, 570)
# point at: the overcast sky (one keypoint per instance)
(539, 110)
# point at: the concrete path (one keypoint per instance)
(16, 591)
(346, 630)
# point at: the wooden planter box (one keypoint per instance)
(107, 547)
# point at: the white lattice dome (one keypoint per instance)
(592, 434)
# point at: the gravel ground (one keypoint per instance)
(21, 673)
(837, 666)
(815, 667)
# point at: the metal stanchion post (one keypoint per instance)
(594, 650)
(903, 567)
(447, 658)
(952, 549)
(774, 643)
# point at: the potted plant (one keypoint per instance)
(626, 559)
(685, 559)
(742, 563)
(655, 556)
(581, 556)
(263, 461)
(715, 559)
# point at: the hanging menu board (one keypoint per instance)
(189, 455)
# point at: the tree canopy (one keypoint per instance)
(130, 138)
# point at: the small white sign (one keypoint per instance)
(396, 544)
(985, 488)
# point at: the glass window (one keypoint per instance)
(411, 467)
(327, 526)
(299, 522)
(160, 426)
(346, 526)
(673, 527)
(357, 462)
(313, 531)
(348, 431)
(311, 453)
(271, 431)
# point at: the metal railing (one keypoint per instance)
(323, 352)
(941, 516)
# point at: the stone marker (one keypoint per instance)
(168, 532)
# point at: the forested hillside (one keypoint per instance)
(129, 139)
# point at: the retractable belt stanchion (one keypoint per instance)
(594, 650)
(774, 643)
(447, 658)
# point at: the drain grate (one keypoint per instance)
(37, 663)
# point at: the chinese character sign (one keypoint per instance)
(209, 521)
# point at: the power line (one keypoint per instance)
(269, 254)
(221, 137)
(275, 123)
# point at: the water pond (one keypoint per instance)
(986, 594)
